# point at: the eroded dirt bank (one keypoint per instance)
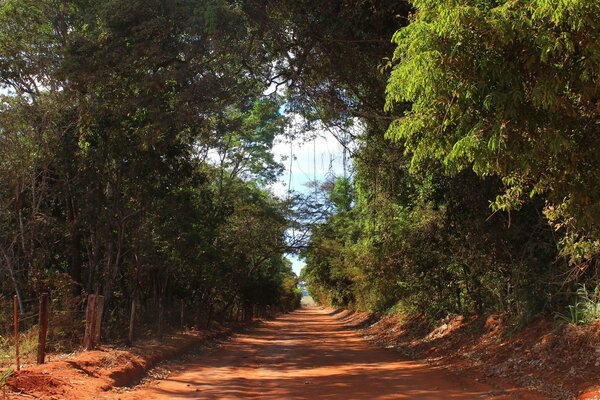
(87, 375)
(560, 360)
(309, 354)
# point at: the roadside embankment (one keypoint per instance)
(84, 375)
(562, 360)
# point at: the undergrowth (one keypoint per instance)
(3, 381)
(585, 308)
(27, 348)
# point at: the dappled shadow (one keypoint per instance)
(80, 368)
(347, 384)
(308, 355)
(335, 312)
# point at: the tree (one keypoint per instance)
(107, 108)
(509, 89)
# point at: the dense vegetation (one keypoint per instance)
(482, 193)
(136, 143)
(135, 146)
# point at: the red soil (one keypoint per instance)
(85, 375)
(561, 360)
(309, 354)
(315, 353)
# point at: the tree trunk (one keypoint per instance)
(74, 248)
(15, 282)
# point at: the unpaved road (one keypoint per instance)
(308, 354)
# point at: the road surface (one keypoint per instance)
(308, 354)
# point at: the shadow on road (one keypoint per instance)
(309, 355)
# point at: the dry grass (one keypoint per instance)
(27, 348)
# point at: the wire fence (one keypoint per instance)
(64, 334)
(77, 323)
(66, 325)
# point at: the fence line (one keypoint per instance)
(61, 325)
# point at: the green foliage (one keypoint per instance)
(467, 133)
(136, 144)
(510, 89)
(28, 342)
(111, 114)
(3, 380)
(585, 308)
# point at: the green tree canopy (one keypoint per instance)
(510, 89)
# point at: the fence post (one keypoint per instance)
(90, 321)
(160, 317)
(131, 322)
(44, 317)
(98, 323)
(16, 323)
(93, 321)
(182, 325)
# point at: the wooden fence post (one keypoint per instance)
(98, 323)
(160, 317)
(93, 321)
(44, 317)
(131, 322)
(16, 323)
(182, 325)
(90, 321)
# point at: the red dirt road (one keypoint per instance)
(308, 354)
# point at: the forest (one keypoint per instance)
(475, 184)
(136, 156)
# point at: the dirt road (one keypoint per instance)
(308, 354)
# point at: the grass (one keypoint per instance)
(3, 381)
(27, 348)
(586, 307)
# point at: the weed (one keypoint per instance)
(3, 381)
(27, 347)
(586, 307)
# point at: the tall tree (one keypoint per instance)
(511, 89)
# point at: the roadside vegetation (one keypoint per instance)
(136, 138)
(135, 143)
(477, 190)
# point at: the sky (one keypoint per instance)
(313, 159)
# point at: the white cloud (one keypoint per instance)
(316, 155)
